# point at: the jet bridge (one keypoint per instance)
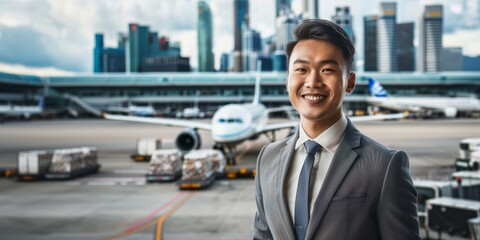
(84, 105)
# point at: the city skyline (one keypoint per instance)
(58, 36)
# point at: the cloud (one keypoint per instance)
(24, 45)
(36, 71)
(467, 39)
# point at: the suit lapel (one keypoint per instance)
(284, 159)
(343, 159)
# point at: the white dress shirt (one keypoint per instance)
(329, 140)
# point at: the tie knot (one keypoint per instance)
(312, 147)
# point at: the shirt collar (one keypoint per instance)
(329, 139)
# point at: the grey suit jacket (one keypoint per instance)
(367, 193)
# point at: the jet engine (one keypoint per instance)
(450, 112)
(187, 140)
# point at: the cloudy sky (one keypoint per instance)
(57, 36)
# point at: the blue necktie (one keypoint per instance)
(302, 210)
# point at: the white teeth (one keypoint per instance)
(313, 98)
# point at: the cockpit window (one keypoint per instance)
(230, 120)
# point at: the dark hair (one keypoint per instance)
(324, 30)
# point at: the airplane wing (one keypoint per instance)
(377, 117)
(293, 124)
(161, 121)
(280, 109)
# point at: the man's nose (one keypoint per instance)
(313, 80)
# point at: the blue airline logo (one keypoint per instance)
(376, 89)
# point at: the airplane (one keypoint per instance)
(24, 111)
(448, 106)
(193, 112)
(232, 124)
(134, 110)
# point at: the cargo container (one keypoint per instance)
(470, 185)
(429, 189)
(145, 149)
(451, 215)
(217, 158)
(467, 146)
(73, 162)
(165, 165)
(33, 165)
(198, 169)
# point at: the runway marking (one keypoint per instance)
(150, 220)
(108, 181)
(151, 215)
(130, 171)
(161, 220)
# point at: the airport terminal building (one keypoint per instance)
(169, 93)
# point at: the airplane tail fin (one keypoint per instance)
(376, 89)
(256, 96)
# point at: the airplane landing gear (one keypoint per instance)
(229, 151)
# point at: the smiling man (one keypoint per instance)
(328, 180)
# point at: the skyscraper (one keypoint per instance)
(146, 52)
(370, 43)
(282, 6)
(310, 9)
(387, 37)
(97, 53)
(251, 49)
(224, 62)
(240, 17)
(205, 38)
(343, 18)
(405, 48)
(430, 44)
(108, 59)
(137, 47)
(113, 60)
(452, 59)
(286, 23)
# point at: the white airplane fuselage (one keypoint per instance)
(416, 103)
(238, 122)
(25, 111)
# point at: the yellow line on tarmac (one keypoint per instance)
(150, 223)
(161, 220)
(130, 232)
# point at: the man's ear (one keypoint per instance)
(350, 83)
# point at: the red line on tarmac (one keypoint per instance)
(151, 215)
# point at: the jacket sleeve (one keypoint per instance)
(261, 229)
(397, 208)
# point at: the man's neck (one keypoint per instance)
(314, 128)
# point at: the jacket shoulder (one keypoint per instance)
(375, 148)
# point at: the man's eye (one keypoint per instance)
(327, 70)
(300, 70)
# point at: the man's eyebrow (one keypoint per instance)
(323, 62)
(301, 61)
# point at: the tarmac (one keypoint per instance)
(117, 202)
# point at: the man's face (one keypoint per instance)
(317, 80)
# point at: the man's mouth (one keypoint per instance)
(314, 98)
